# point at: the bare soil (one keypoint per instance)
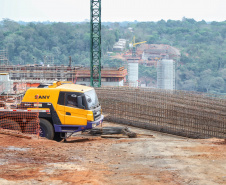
(83, 159)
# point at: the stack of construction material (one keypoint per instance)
(182, 113)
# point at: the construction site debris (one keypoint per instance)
(106, 131)
(118, 136)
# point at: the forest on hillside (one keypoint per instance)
(202, 66)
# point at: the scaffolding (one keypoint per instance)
(4, 57)
(39, 74)
(166, 74)
(48, 60)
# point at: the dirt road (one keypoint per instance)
(161, 159)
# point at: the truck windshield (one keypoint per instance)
(91, 99)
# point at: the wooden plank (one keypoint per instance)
(149, 135)
(114, 136)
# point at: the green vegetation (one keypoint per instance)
(202, 66)
(31, 42)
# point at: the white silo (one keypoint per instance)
(166, 74)
(133, 64)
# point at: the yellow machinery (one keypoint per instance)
(133, 45)
(70, 108)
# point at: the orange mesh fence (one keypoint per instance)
(19, 117)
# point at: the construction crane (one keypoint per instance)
(95, 43)
(69, 65)
(133, 45)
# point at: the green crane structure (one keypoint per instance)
(95, 45)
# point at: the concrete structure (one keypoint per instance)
(6, 85)
(4, 57)
(130, 29)
(120, 45)
(33, 75)
(109, 77)
(133, 71)
(39, 73)
(166, 74)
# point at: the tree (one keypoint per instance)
(202, 46)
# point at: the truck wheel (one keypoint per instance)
(9, 124)
(46, 129)
(57, 136)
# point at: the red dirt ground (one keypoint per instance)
(83, 159)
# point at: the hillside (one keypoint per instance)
(202, 66)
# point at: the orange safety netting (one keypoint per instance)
(19, 117)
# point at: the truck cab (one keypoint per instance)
(68, 108)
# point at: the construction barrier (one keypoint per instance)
(22, 118)
(181, 113)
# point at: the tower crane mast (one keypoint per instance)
(133, 45)
(95, 45)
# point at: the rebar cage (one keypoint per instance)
(183, 113)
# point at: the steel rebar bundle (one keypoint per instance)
(181, 113)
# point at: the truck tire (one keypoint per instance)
(10, 124)
(57, 136)
(46, 129)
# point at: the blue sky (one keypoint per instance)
(113, 10)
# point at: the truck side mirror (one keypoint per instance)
(79, 99)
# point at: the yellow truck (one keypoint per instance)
(64, 108)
